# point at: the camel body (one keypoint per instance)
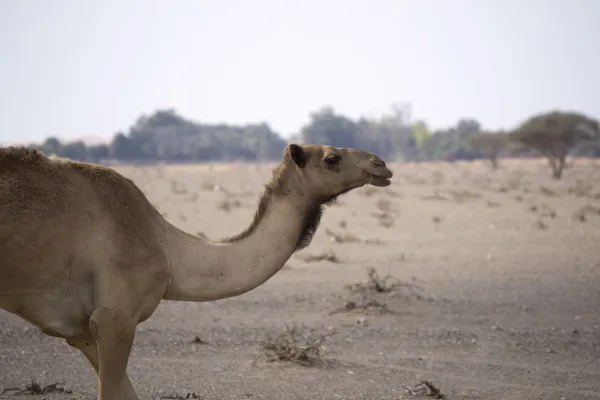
(86, 257)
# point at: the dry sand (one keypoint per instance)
(509, 269)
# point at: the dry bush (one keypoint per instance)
(415, 180)
(435, 196)
(208, 186)
(384, 219)
(460, 196)
(425, 389)
(580, 189)
(368, 292)
(548, 192)
(583, 212)
(348, 238)
(343, 223)
(296, 344)
(367, 191)
(188, 395)
(328, 256)
(385, 215)
(545, 211)
(36, 388)
(540, 224)
(229, 204)
(493, 204)
(212, 187)
(384, 205)
(387, 284)
(177, 188)
(438, 177)
(391, 193)
(436, 219)
(199, 340)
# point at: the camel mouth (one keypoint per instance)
(379, 181)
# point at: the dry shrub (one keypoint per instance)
(580, 189)
(296, 344)
(545, 211)
(212, 187)
(384, 205)
(387, 284)
(199, 340)
(188, 395)
(384, 219)
(435, 196)
(514, 184)
(583, 212)
(367, 191)
(460, 196)
(229, 204)
(425, 389)
(540, 224)
(36, 388)
(385, 215)
(436, 219)
(438, 177)
(177, 188)
(548, 192)
(415, 180)
(343, 224)
(368, 292)
(493, 204)
(328, 256)
(391, 193)
(348, 238)
(208, 186)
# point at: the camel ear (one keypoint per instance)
(298, 155)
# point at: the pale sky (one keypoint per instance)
(74, 68)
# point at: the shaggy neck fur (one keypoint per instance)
(285, 221)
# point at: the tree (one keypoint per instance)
(554, 134)
(328, 128)
(490, 144)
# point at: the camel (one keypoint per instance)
(86, 257)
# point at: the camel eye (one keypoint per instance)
(331, 160)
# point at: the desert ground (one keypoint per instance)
(493, 293)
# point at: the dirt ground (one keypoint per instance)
(508, 263)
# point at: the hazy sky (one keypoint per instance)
(75, 68)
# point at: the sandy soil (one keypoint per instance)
(510, 308)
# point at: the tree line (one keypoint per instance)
(166, 136)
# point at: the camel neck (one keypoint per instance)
(207, 271)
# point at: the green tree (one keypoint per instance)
(554, 134)
(490, 144)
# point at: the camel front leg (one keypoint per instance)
(114, 334)
(87, 345)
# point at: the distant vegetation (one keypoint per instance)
(166, 136)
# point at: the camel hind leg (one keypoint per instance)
(88, 346)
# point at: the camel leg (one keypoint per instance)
(114, 336)
(87, 345)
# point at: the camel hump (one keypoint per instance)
(20, 156)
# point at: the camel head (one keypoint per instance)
(325, 172)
